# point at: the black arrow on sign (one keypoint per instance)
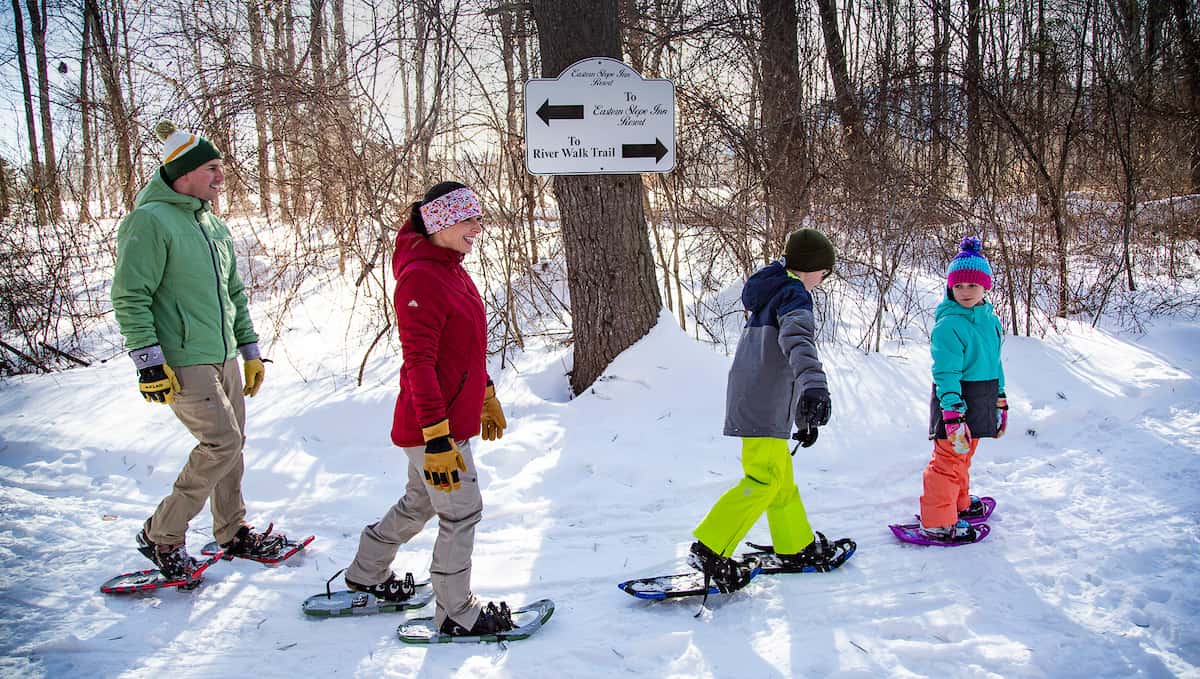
(655, 150)
(564, 112)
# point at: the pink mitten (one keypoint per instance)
(957, 432)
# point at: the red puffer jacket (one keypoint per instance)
(443, 339)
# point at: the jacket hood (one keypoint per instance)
(159, 191)
(412, 247)
(949, 307)
(762, 286)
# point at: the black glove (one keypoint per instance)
(814, 409)
(806, 437)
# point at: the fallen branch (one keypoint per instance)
(27, 359)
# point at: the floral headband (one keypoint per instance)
(450, 209)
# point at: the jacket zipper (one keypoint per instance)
(212, 255)
(461, 383)
(183, 319)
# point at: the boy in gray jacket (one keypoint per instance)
(776, 379)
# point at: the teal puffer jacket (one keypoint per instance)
(176, 282)
(967, 373)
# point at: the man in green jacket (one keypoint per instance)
(182, 309)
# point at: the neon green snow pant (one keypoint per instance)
(768, 486)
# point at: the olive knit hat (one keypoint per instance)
(808, 250)
(183, 151)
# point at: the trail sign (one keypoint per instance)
(599, 117)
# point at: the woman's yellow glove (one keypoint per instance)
(255, 372)
(492, 422)
(443, 461)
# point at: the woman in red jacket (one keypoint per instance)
(445, 398)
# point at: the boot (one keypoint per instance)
(726, 573)
(959, 532)
(492, 619)
(816, 554)
(976, 509)
(393, 589)
(249, 543)
(172, 561)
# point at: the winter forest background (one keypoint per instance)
(1065, 132)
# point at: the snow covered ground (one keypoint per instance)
(1092, 567)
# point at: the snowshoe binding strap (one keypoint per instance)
(819, 539)
(703, 601)
(267, 544)
(328, 590)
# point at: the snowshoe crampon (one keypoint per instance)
(528, 620)
(151, 579)
(832, 555)
(675, 586)
(279, 549)
(911, 533)
(346, 602)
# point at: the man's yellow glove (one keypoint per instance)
(255, 371)
(158, 384)
(443, 461)
(492, 422)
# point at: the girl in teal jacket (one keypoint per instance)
(968, 400)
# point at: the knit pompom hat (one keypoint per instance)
(183, 151)
(969, 265)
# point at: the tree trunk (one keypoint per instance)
(348, 192)
(341, 56)
(260, 110)
(5, 200)
(85, 116)
(847, 106)
(281, 73)
(35, 164)
(316, 53)
(784, 150)
(402, 26)
(121, 22)
(37, 28)
(610, 271)
(1191, 61)
(293, 130)
(529, 191)
(971, 75)
(938, 170)
(116, 103)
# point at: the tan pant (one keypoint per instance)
(457, 513)
(210, 404)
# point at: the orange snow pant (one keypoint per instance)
(947, 485)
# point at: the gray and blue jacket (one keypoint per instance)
(776, 357)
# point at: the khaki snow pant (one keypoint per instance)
(458, 512)
(210, 404)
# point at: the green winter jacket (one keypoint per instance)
(965, 344)
(176, 282)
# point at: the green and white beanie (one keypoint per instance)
(183, 151)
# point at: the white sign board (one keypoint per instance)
(599, 117)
